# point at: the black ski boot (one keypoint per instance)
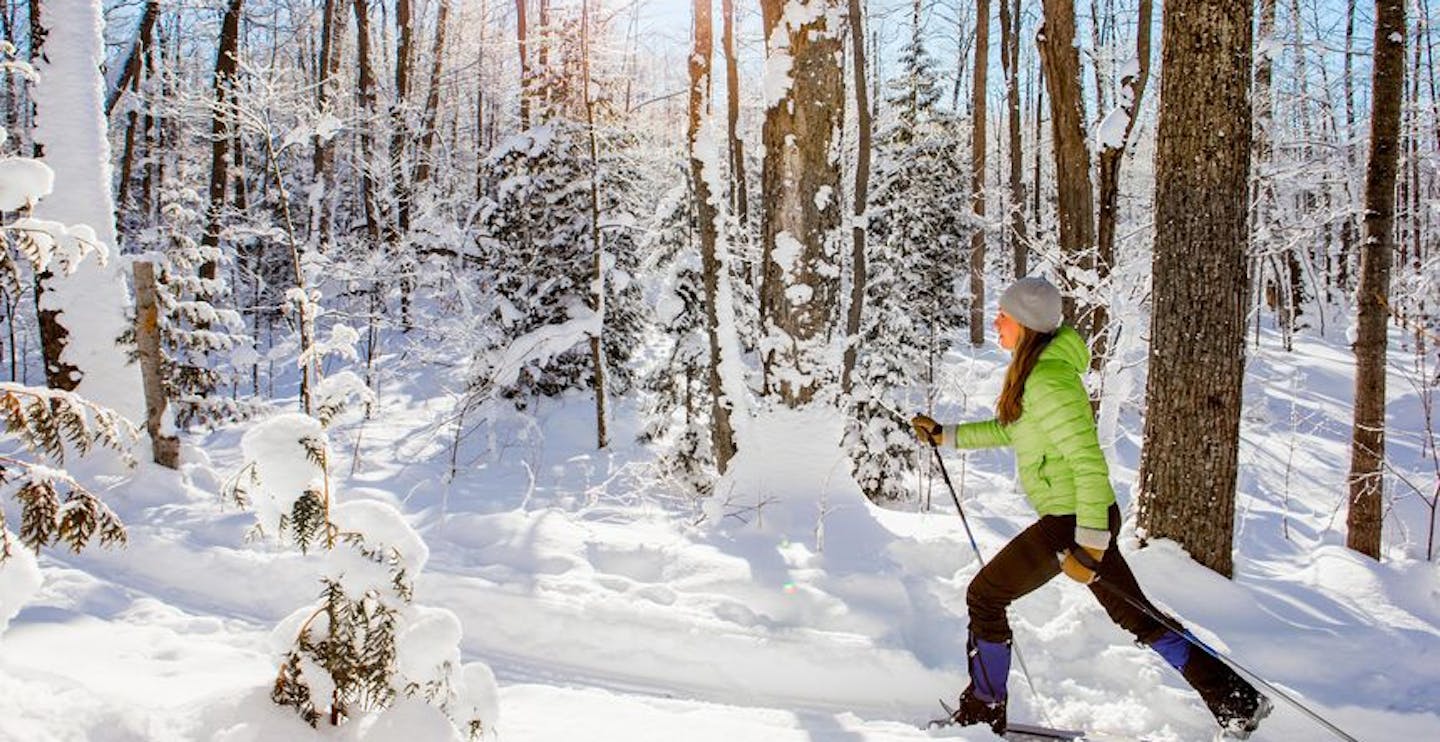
(973, 710)
(1237, 706)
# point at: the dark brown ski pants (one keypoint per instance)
(1029, 561)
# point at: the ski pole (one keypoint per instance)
(1170, 624)
(1019, 658)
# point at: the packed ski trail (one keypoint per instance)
(607, 614)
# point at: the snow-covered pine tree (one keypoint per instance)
(365, 644)
(913, 313)
(205, 343)
(536, 220)
(535, 246)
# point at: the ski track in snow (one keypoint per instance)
(607, 616)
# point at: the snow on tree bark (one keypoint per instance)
(801, 186)
(91, 304)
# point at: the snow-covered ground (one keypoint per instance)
(611, 609)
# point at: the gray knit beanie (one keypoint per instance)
(1034, 303)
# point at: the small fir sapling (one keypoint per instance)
(364, 645)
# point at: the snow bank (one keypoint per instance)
(792, 479)
(19, 580)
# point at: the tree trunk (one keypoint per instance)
(722, 434)
(859, 223)
(1263, 190)
(1367, 444)
(164, 446)
(400, 125)
(1112, 153)
(738, 185)
(332, 32)
(400, 175)
(480, 105)
(977, 171)
(127, 157)
(1061, 63)
(524, 65)
(597, 247)
(130, 68)
(87, 306)
(1347, 229)
(366, 95)
(1010, 60)
(1201, 287)
(802, 211)
(226, 64)
(59, 373)
(432, 98)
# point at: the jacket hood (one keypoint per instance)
(1069, 348)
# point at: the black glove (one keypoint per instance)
(927, 430)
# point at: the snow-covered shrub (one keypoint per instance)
(364, 645)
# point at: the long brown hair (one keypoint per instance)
(1027, 352)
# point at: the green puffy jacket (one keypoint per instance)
(1062, 467)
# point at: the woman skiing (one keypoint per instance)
(1045, 415)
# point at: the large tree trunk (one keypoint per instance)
(977, 171)
(1060, 61)
(1112, 153)
(1367, 444)
(87, 308)
(802, 210)
(859, 224)
(722, 433)
(1010, 60)
(1201, 287)
(739, 188)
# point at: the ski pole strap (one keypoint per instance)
(1088, 562)
(1249, 674)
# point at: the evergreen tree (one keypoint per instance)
(913, 312)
